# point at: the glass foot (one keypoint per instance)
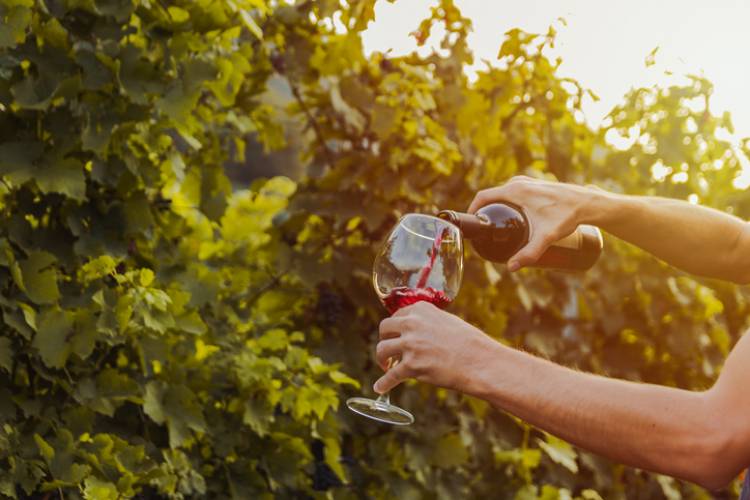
(380, 411)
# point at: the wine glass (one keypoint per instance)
(422, 259)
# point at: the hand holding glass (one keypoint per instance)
(422, 260)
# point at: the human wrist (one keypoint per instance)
(480, 378)
(601, 208)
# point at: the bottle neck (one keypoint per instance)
(471, 225)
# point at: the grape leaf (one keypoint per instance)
(38, 277)
(51, 339)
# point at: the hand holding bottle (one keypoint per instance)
(554, 211)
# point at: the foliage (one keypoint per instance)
(166, 336)
(151, 342)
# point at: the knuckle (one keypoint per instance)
(407, 344)
(418, 366)
(417, 349)
(408, 370)
(519, 179)
(410, 323)
(404, 363)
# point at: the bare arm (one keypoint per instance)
(696, 239)
(703, 437)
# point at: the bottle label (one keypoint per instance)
(574, 240)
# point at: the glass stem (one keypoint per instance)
(385, 398)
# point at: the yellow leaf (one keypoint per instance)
(47, 451)
(178, 15)
(146, 277)
(560, 452)
(353, 223)
(251, 25)
(203, 350)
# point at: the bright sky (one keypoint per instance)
(605, 43)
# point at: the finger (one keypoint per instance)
(483, 198)
(506, 192)
(387, 349)
(529, 254)
(391, 379)
(391, 327)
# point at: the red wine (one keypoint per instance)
(404, 296)
(499, 230)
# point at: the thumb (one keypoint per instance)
(529, 254)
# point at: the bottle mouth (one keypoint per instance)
(449, 216)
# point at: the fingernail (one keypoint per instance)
(376, 387)
(513, 266)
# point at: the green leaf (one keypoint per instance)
(85, 333)
(44, 448)
(64, 176)
(38, 278)
(560, 452)
(6, 354)
(342, 378)
(257, 416)
(95, 76)
(528, 458)
(589, 494)
(14, 22)
(177, 407)
(15, 320)
(152, 402)
(38, 93)
(191, 323)
(96, 489)
(17, 160)
(274, 339)
(138, 77)
(146, 277)
(97, 268)
(29, 314)
(7, 487)
(6, 253)
(177, 14)
(251, 25)
(51, 339)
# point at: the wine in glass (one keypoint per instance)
(422, 260)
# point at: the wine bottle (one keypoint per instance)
(499, 230)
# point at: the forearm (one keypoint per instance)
(656, 428)
(696, 239)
